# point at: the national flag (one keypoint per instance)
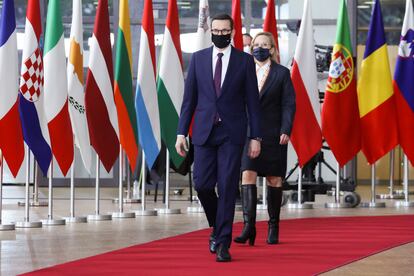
(11, 137)
(99, 96)
(340, 113)
(375, 94)
(56, 90)
(306, 134)
(31, 98)
(146, 100)
(270, 25)
(124, 97)
(170, 83)
(236, 15)
(404, 84)
(203, 29)
(75, 87)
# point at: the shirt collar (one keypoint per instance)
(226, 51)
(266, 65)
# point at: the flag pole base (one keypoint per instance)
(76, 219)
(404, 204)
(390, 196)
(7, 227)
(168, 211)
(34, 204)
(53, 222)
(99, 217)
(372, 205)
(195, 209)
(335, 205)
(28, 224)
(127, 200)
(299, 206)
(148, 213)
(122, 215)
(401, 192)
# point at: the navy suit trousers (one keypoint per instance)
(218, 162)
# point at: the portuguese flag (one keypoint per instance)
(124, 98)
(340, 113)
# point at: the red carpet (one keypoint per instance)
(309, 246)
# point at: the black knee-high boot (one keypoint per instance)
(249, 202)
(274, 201)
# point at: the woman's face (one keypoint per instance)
(264, 42)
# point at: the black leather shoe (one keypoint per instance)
(212, 242)
(223, 254)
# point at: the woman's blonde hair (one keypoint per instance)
(272, 42)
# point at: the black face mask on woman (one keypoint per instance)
(221, 41)
(261, 54)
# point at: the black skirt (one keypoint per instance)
(272, 160)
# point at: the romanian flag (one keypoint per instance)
(375, 94)
(404, 84)
(236, 15)
(124, 97)
(340, 114)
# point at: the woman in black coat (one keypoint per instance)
(277, 99)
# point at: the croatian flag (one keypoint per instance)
(404, 84)
(31, 99)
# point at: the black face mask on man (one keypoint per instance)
(261, 54)
(221, 41)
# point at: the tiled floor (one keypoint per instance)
(25, 250)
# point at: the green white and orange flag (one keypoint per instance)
(340, 112)
(75, 87)
(124, 98)
(170, 83)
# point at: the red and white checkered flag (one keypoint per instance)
(31, 83)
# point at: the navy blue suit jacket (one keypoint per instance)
(238, 101)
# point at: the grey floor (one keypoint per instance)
(25, 250)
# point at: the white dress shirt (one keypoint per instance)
(225, 61)
(261, 73)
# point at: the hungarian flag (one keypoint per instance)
(146, 100)
(11, 137)
(340, 113)
(56, 90)
(170, 83)
(203, 29)
(306, 132)
(375, 94)
(99, 96)
(404, 84)
(236, 15)
(270, 25)
(124, 98)
(31, 99)
(75, 87)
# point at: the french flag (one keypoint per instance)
(31, 98)
(404, 84)
(11, 137)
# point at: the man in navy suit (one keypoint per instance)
(221, 93)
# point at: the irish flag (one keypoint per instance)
(306, 132)
(75, 87)
(146, 100)
(11, 137)
(124, 98)
(99, 96)
(55, 89)
(170, 83)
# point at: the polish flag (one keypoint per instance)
(236, 15)
(306, 133)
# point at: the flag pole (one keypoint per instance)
(35, 202)
(97, 216)
(167, 209)
(373, 203)
(26, 223)
(144, 211)
(406, 202)
(392, 194)
(72, 218)
(3, 227)
(338, 203)
(128, 199)
(50, 221)
(121, 213)
(299, 204)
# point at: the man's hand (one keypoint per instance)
(254, 149)
(181, 145)
(284, 139)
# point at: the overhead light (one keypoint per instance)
(369, 2)
(364, 7)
